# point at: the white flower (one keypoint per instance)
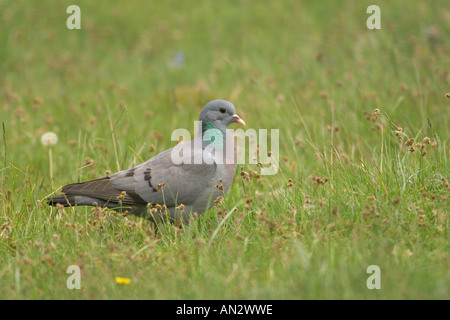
(49, 139)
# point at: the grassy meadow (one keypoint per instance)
(364, 131)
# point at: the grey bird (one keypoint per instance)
(178, 183)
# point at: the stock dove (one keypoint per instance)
(185, 179)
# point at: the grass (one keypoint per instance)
(348, 194)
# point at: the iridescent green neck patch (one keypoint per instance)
(212, 136)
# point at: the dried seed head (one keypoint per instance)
(49, 139)
(290, 182)
(409, 142)
(318, 181)
(218, 202)
(180, 207)
(245, 175)
(160, 186)
(88, 161)
(121, 196)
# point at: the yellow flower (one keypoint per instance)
(124, 281)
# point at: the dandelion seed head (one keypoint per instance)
(49, 139)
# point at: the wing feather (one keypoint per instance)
(183, 183)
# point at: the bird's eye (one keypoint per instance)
(222, 110)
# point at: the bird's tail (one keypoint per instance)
(95, 192)
(70, 200)
(98, 191)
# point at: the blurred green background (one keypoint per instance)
(309, 68)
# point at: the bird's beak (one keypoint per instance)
(236, 118)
